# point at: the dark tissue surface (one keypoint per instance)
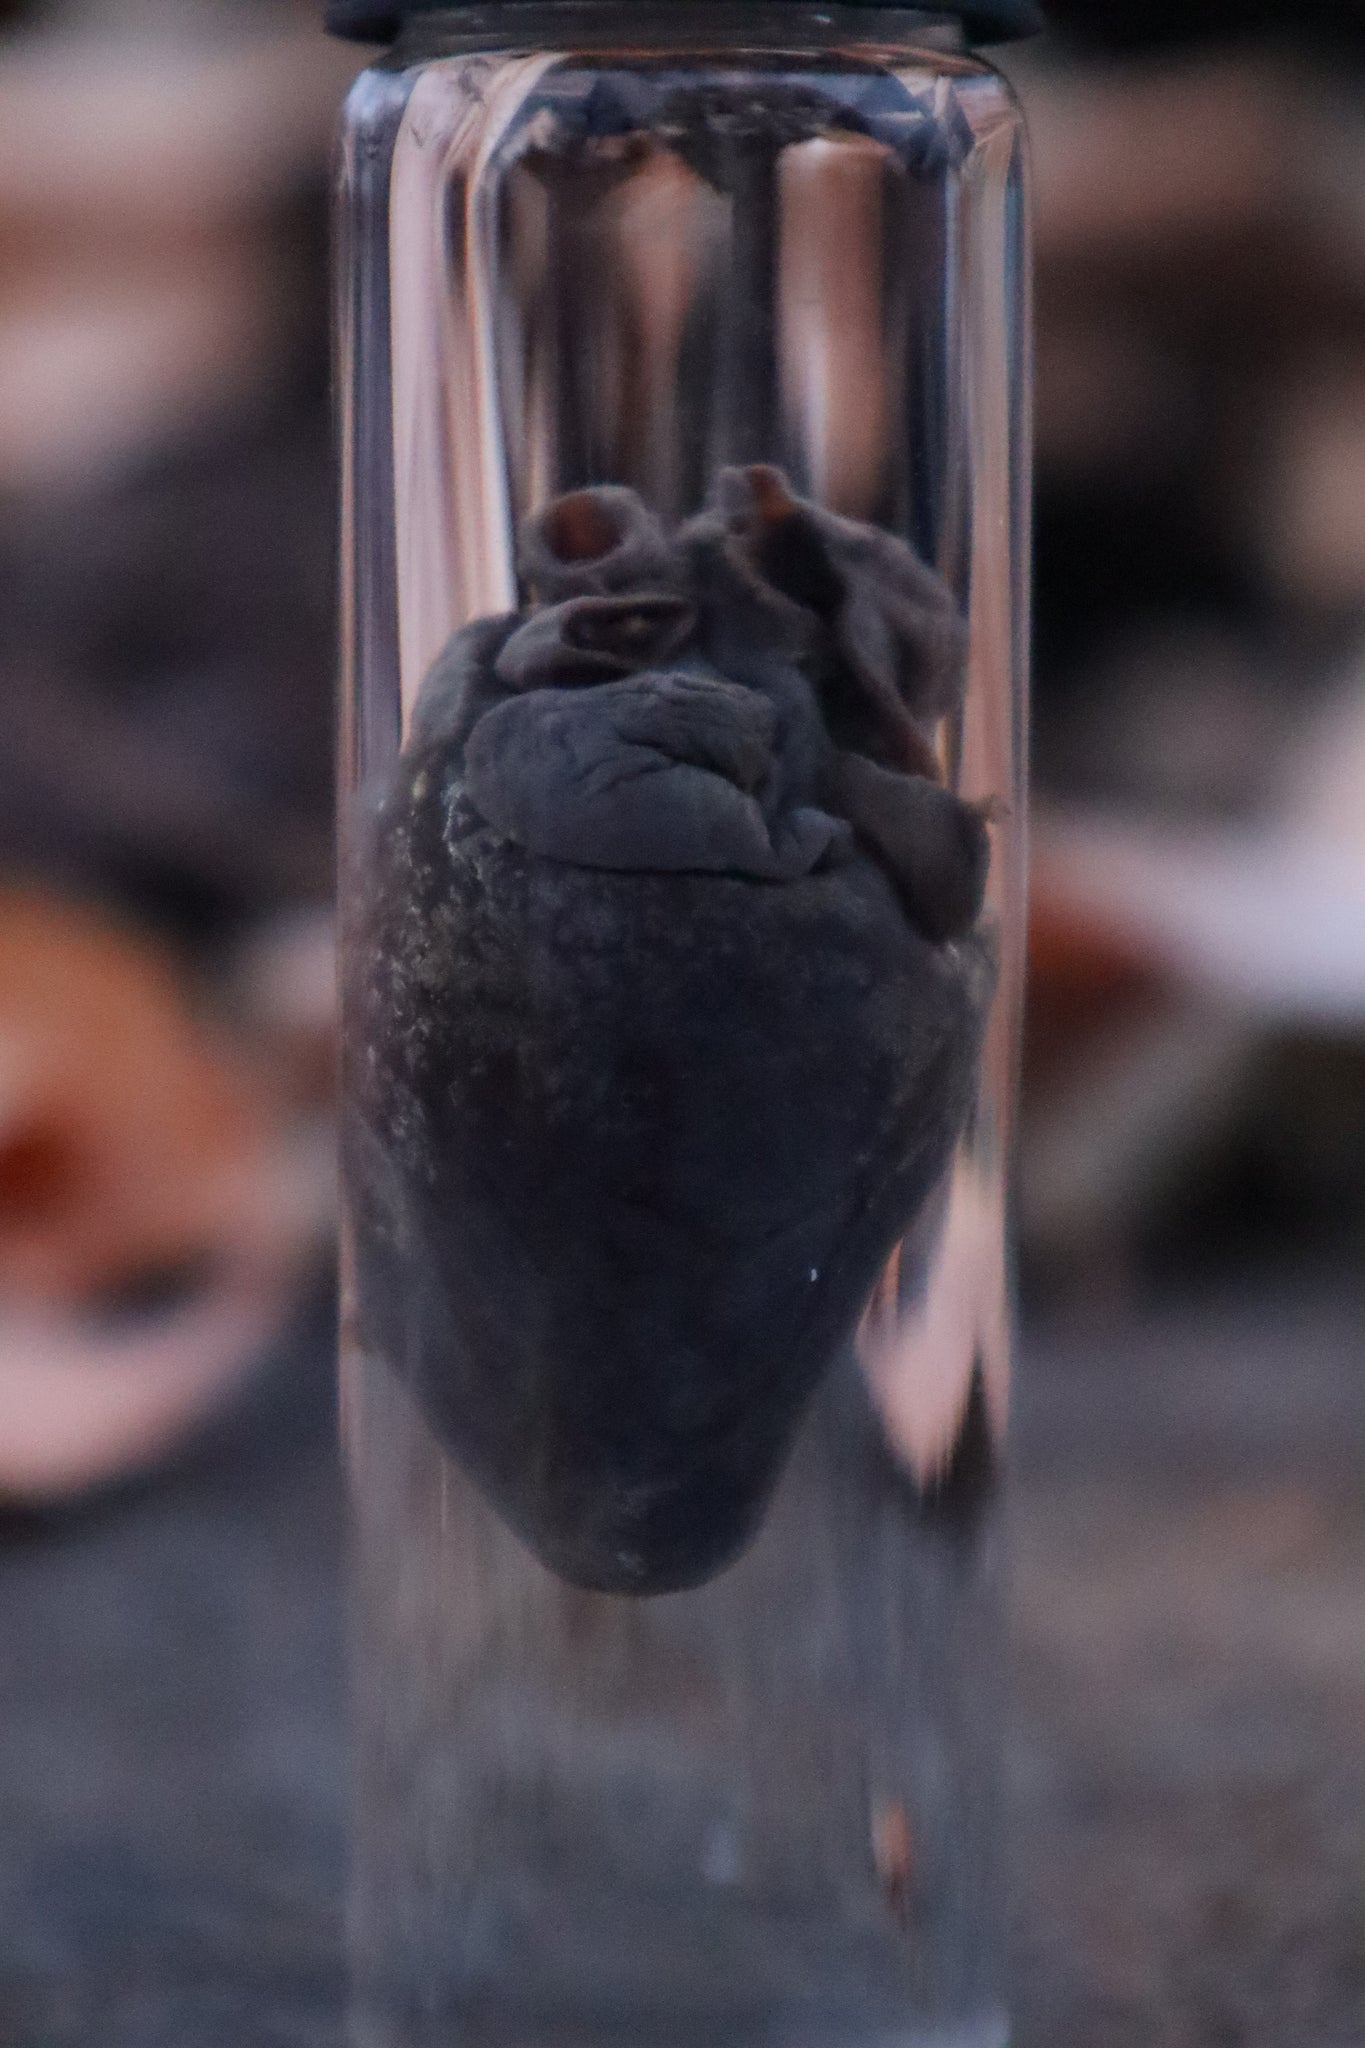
(665, 992)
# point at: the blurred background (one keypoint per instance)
(1192, 1198)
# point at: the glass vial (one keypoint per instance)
(684, 372)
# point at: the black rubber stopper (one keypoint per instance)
(379, 21)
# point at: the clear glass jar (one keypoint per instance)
(684, 372)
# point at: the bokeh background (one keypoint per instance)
(1190, 1506)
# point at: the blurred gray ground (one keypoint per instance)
(1190, 1747)
(1188, 1758)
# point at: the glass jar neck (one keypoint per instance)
(695, 26)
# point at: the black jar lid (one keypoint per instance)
(985, 21)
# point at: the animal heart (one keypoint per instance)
(665, 986)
